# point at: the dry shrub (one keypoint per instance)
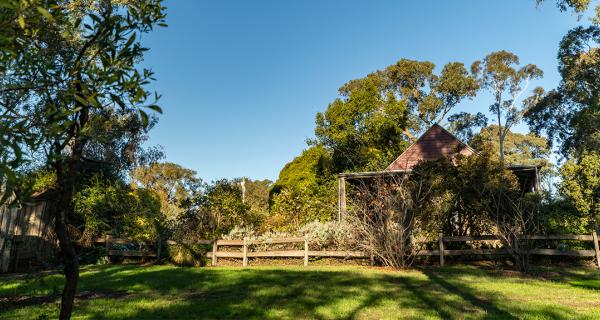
(384, 214)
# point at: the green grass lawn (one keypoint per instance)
(165, 292)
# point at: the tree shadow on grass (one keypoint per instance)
(268, 294)
(581, 278)
(468, 295)
(215, 293)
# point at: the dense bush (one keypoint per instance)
(321, 236)
(105, 207)
(292, 208)
(581, 186)
(330, 235)
(188, 255)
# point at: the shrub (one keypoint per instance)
(321, 236)
(329, 235)
(187, 255)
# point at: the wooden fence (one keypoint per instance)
(108, 241)
(245, 253)
(442, 252)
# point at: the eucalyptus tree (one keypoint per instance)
(376, 116)
(499, 73)
(78, 67)
(578, 6)
(463, 125)
(570, 113)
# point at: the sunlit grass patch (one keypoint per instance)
(166, 292)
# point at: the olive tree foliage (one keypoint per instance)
(500, 74)
(77, 67)
(17, 17)
(377, 116)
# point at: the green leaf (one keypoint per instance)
(45, 13)
(144, 117)
(81, 100)
(130, 40)
(155, 108)
(21, 21)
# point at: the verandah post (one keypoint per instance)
(341, 197)
(441, 243)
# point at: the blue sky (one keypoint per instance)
(242, 80)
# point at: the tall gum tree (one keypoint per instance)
(499, 73)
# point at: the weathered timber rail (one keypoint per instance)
(442, 252)
(108, 241)
(245, 253)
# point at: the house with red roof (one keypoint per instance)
(434, 144)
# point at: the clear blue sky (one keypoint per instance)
(242, 80)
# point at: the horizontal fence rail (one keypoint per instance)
(503, 251)
(108, 241)
(441, 252)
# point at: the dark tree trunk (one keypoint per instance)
(69, 258)
(67, 171)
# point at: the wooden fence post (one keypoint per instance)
(596, 247)
(158, 249)
(305, 252)
(245, 254)
(214, 253)
(441, 243)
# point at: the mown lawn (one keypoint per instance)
(165, 292)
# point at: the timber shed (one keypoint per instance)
(27, 237)
(434, 144)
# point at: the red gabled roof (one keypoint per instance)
(434, 144)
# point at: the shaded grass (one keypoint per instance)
(164, 292)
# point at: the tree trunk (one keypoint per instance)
(500, 137)
(69, 258)
(67, 172)
(501, 141)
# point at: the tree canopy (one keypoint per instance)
(500, 74)
(377, 116)
(570, 114)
